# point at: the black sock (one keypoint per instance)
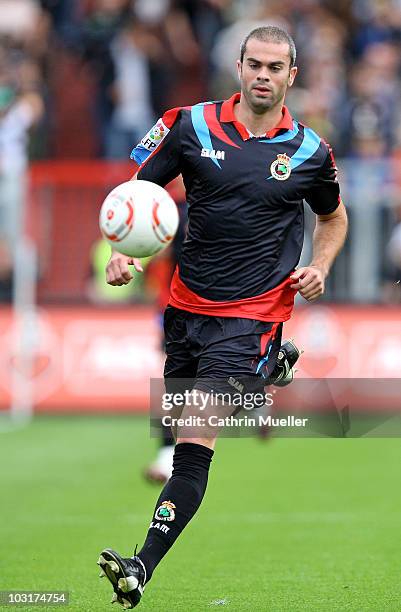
(178, 502)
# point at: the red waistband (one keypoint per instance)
(275, 305)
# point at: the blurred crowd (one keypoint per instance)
(104, 70)
(112, 66)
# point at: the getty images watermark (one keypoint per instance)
(232, 408)
(205, 402)
(334, 408)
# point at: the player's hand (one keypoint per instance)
(117, 270)
(309, 281)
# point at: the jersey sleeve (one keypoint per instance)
(158, 154)
(324, 195)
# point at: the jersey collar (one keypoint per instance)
(227, 116)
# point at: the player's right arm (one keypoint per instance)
(117, 270)
(158, 159)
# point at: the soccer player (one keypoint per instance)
(247, 166)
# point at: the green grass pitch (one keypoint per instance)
(286, 524)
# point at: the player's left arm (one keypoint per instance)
(330, 230)
(328, 239)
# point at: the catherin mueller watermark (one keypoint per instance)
(234, 421)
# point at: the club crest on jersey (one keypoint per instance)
(281, 167)
(165, 511)
(155, 136)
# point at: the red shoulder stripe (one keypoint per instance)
(209, 113)
(170, 116)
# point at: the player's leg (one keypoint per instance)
(180, 498)
(183, 493)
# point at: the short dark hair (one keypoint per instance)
(270, 33)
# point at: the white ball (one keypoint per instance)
(138, 218)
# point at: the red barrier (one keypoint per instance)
(88, 359)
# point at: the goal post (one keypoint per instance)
(23, 326)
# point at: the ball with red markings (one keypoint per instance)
(138, 218)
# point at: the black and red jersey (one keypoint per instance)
(245, 205)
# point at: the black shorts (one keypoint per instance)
(220, 354)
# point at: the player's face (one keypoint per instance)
(265, 74)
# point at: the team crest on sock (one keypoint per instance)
(165, 511)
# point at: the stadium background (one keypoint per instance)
(98, 73)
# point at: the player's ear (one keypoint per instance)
(293, 74)
(239, 68)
